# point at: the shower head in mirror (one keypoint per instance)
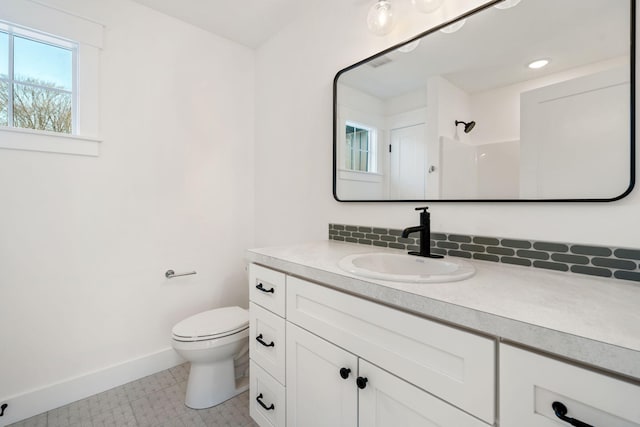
(468, 127)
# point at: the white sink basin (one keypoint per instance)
(406, 268)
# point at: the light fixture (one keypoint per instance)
(507, 4)
(380, 19)
(538, 63)
(452, 28)
(468, 127)
(427, 6)
(409, 47)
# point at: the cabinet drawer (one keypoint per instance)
(530, 383)
(456, 366)
(267, 341)
(267, 288)
(263, 388)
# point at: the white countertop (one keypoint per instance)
(591, 320)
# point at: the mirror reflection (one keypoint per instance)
(530, 102)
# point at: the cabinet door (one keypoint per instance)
(388, 401)
(317, 395)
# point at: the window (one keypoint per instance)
(37, 82)
(360, 148)
(49, 79)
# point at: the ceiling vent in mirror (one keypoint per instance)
(379, 61)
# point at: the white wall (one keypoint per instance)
(86, 241)
(497, 111)
(363, 109)
(295, 71)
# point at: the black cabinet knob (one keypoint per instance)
(344, 373)
(361, 382)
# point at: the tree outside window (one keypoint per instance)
(36, 84)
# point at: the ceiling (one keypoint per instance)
(248, 22)
(493, 47)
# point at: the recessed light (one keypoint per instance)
(538, 63)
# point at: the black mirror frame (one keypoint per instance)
(632, 132)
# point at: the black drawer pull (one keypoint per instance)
(561, 412)
(268, 408)
(261, 288)
(344, 373)
(362, 382)
(261, 341)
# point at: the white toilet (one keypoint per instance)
(214, 341)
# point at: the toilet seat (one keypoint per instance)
(212, 324)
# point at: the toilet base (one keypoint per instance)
(213, 383)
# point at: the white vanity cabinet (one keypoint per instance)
(352, 362)
(329, 386)
(530, 384)
(430, 358)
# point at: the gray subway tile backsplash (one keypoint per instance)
(460, 254)
(571, 259)
(472, 248)
(593, 271)
(447, 245)
(459, 238)
(519, 244)
(485, 257)
(550, 247)
(600, 261)
(627, 253)
(523, 253)
(590, 250)
(496, 250)
(489, 241)
(618, 264)
(551, 265)
(516, 261)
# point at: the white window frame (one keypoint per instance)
(49, 25)
(373, 147)
(13, 30)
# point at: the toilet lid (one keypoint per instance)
(213, 323)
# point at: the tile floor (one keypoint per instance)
(153, 401)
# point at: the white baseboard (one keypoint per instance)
(53, 396)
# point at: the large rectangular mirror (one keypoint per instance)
(461, 112)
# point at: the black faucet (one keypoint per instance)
(425, 235)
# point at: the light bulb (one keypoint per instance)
(427, 6)
(452, 28)
(380, 19)
(506, 4)
(409, 47)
